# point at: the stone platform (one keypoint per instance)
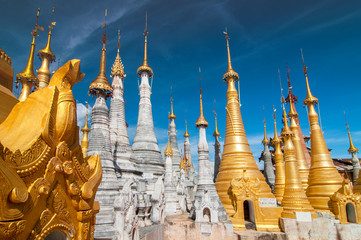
(322, 228)
(180, 227)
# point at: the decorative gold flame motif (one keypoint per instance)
(118, 68)
(294, 197)
(47, 184)
(324, 179)
(280, 165)
(237, 158)
(303, 169)
(168, 150)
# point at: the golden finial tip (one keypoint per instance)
(216, 132)
(230, 74)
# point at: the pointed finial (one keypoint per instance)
(145, 67)
(201, 121)
(216, 133)
(310, 99)
(118, 45)
(186, 134)
(230, 75)
(171, 115)
(290, 94)
(282, 97)
(146, 24)
(265, 139)
(275, 139)
(46, 52)
(352, 148)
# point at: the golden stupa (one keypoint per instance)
(279, 164)
(294, 197)
(239, 167)
(303, 169)
(324, 179)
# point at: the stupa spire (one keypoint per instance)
(280, 166)
(201, 121)
(294, 198)
(265, 139)
(171, 115)
(267, 158)
(306, 155)
(47, 57)
(100, 143)
(216, 132)
(230, 74)
(352, 148)
(118, 68)
(85, 130)
(290, 94)
(145, 67)
(303, 168)
(353, 151)
(237, 155)
(27, 77)
(186, 134)
(217, 146)
(324, 179)
(101, 82)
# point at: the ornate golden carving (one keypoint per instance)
(46, 184)
(250, 189)
(343, 197)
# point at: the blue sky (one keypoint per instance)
(185, 35)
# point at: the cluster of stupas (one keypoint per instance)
(139, 190)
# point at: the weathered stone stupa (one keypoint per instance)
(121, 150)
(145, 146)
(208, 207)
(172, 206)
(267, 158)
(99, 144)
(173, 139)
